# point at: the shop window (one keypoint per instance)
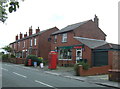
(64, 37)
(65, 54)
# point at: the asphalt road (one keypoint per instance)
(26, 77)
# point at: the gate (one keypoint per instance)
(100, 58)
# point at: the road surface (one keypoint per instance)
(20, 76)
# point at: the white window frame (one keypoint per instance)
(55, 39)
(30, 42)
(59, 58)
(35, 41)
(23, 44)
(64, 37)
(18, 44)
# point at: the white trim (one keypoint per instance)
(65, 59)
(35, 41)
(80, 49)
(64, 37)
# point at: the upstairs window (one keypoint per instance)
(35, 41)
(55, 39)
(64, 37)
(18, 44)
(30, 42)
(23, 44)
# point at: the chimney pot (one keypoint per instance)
(17, 37)
(20, 35)
(37, 30)
(30, 31)
(96, 20)
(25, 35)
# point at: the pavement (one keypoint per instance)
(68, 72)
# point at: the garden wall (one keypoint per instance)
(114, 73)
(15, 60)
(93, 70)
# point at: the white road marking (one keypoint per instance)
(4, 69)
(20, 75)
(45, 84)
(8, 65)
(52, 73)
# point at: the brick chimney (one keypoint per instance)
(20, 35)
(25, 35)
(37, 30)
(96, 20)
(30, 31)
(16, 37)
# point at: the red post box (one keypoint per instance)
(29, 62)
(52, 60)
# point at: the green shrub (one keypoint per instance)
(5, 56)
(85, 66)
(12, 56)
(40, 59)
(33, 59)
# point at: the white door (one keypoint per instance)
(78, 54)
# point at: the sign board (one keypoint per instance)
(77, 47)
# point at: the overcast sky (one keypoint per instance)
(60, 13)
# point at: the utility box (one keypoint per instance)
(52, 60)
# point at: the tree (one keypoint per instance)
(7, 6)
(8, 49)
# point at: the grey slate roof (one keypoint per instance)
(109, 46)
(70, 27)
(91, 43)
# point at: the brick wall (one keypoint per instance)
(114, 72)
(71, 41)
(42, 47)
(15, 60)
(116, 60)
(90, 30)
(44, 44)
(93, 70)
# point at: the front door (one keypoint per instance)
(78, 54)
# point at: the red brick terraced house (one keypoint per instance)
(76, 42)
(36, 44)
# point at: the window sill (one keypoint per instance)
(64, 41)
(65, 59)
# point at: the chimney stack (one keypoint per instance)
(25, 35)
(17, 37)
(96, 20)
(30, 31)
(20, 35)
(37, 30)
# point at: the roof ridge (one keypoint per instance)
(78, 22)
